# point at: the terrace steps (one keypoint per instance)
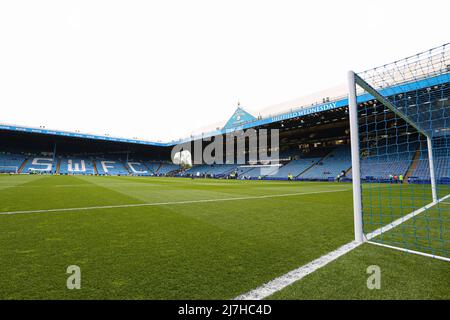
(413, 165)
(147, 167)
(22, 165)
(125, 165)
(315, 163)
(95, 167)
(58, 166)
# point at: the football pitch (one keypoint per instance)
(176, 238)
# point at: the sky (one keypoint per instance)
(158, 70)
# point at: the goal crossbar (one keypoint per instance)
(372, 91)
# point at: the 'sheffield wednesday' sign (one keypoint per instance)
(302, 112)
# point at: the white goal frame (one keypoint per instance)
(353, 81)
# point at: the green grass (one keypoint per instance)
(427, 232)
(195, 250)
(403, 276)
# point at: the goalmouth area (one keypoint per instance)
(175, 238)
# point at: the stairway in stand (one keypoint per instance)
(22, 165)
(315, 163)
(413, 165)
(127, 167)
(58, 165)
(95, 166)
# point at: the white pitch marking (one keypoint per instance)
(169, 203)
(289, 278)
(411, 251)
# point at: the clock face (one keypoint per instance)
(238, 118)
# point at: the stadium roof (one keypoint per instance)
(328, 104)
(251, 122)
(241, 119)
(43, 130)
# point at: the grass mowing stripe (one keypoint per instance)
(169, 203)
(41, 194)
(18, 182)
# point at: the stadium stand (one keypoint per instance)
(255, 172)
(201, 169)
(11, 162)
(221, 169)
(243, 170)
(330, 166)
(390, 160)
(442, 165)
(138, 168)
(215, 170)
(407, 159)
(315, 165)
(40, 164)
(152, 167)
(290, 154)
(110, 167)
(76, 165)
(294, 167)
(166, 168)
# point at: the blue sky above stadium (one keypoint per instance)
(158, 70)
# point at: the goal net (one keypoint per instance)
(400, 134)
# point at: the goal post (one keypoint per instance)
(400, 143)
(356, 170)
(431, 165)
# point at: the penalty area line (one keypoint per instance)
(169, 203)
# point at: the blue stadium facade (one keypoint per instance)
(314, 143)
